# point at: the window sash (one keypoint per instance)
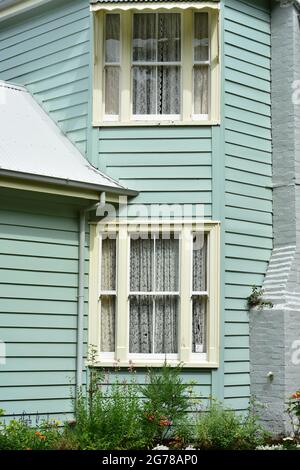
(121, 354)
(187, 112)
(197, 64)
(112, 66)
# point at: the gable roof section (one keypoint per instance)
(33, 147)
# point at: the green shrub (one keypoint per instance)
(166, 402)
(18, 435)
(107, 417)
(223, 429)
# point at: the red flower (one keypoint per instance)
(296, 395)
(164, 421)
(150, 418)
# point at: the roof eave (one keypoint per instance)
(12, 8)
(65, 182)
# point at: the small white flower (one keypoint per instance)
(289, 438)
(160, 447)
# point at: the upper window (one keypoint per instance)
(155, 294)
(156, 67)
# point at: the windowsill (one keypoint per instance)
(155, 123)
(145, 364)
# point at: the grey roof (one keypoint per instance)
(142, 1)
(33, 147)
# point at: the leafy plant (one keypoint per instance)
(256, 299)
(18, 435)
(293, 410)
(223, 429)
(166, 402)
(107, 416)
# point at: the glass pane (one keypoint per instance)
(199, 325)
(141, 265)
(144, 90)
(199, 262)
(167, 264)
(200, 89)
(201, 51)
(141, 325)
(166, 326)
(108, 265)
(144, 37)
(169, 42)
(112, 77)
(108, 324)
(168, 90)
(112, 38)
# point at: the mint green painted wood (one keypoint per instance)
(38, 302)
(248, 180)
(51, 408)
(236, 316)
(48, 51)
(237, 366)
(36, 378)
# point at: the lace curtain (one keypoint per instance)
(153, 318)
(108, 286)
(112, 56)
(201, 72)
(199, 285)
(156, 39)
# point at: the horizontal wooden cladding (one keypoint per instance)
(247, 108)
(234, 23)
(155, 145)
(40, 320)
(36, 335)
(38, 306)
(248, 179)
(42, 407)
(37, 264)
(49, 53)
(166, 165)
(40, 24)
(50, 364)
(9, 394)
(36, 378)
(249, 13)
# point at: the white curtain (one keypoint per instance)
(141, 306)
(201, 89)
(156, 38)
(108, 304)
(154, 267)
(199, 325)
(112, 56)
(199, 263)
(112, 83)
(201, 72)
(201, 52)
(199, 285)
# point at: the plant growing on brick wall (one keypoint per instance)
(256, 299)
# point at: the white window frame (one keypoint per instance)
(187, 116)
(121, 356)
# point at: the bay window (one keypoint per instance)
(154, 66)
(154, 294)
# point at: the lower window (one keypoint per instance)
(154, 294)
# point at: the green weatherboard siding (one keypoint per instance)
(49, 53)
(38, 302)
(226, 169)
(248, 196)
